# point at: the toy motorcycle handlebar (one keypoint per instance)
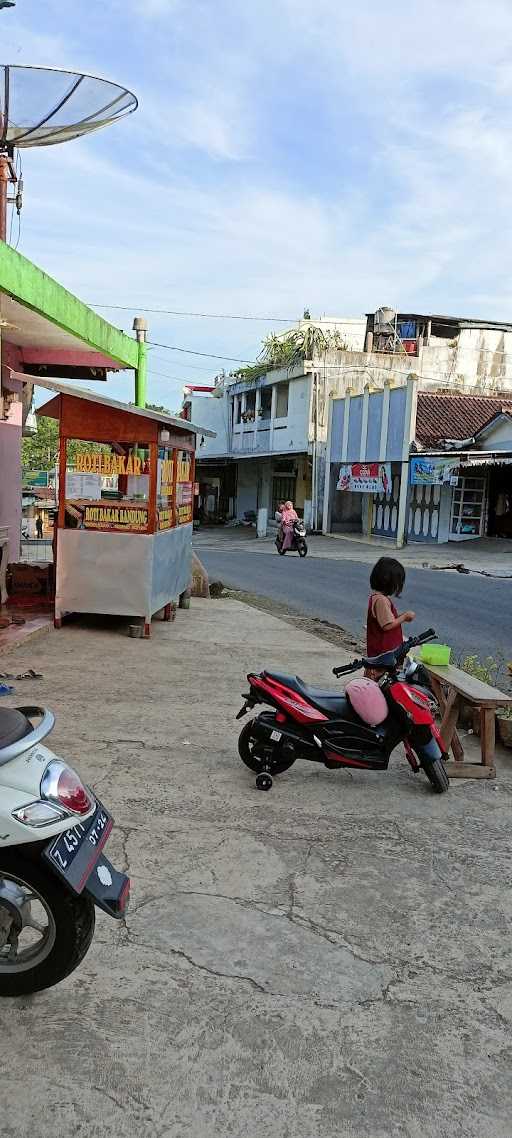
(398, 656)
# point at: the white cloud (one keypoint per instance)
(212, 198)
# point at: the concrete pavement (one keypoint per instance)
(330, 959)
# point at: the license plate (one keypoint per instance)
(74, 853)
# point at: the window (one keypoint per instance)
(282, 400)
(249, 415)
(238, 409)
(266, 403)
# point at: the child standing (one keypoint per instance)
(384, 623)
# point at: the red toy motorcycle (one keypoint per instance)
(356, 728)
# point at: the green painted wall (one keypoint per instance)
(29, 285)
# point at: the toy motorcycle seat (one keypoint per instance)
(332, 702)
(13, 726)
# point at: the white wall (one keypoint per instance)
(497, 438)
(253, 485)
(213, 413)
(477, 358)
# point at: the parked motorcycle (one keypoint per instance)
(52, 868)
(359, 727)
(299, 543)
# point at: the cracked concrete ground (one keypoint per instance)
(332, 958)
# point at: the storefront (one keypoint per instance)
(383, 480)
(125, 506)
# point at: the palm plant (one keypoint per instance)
(307, 342)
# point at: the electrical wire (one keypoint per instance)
(447, 323)
(191, 367)
(279, 319)
(191, 352)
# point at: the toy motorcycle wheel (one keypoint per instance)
(257, 754)
(436, 775)
(264, 782)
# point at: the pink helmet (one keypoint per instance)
(368, 701)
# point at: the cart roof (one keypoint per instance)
(89, 396)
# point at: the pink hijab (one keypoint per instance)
(288, 515)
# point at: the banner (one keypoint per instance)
(129, 517)
(434, 471)
(365, 477)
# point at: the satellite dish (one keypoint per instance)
(41, 106)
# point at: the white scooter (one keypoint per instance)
(52, 869)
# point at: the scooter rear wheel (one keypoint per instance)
(45, 930)
(259, 756)
(436, 775)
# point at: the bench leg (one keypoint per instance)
(449, 724)
(488, 735)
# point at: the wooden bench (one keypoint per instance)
(451, 686)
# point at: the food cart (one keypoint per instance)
(123, 538)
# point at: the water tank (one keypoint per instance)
(384, 318)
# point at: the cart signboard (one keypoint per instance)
(184, 488)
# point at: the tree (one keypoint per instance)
(41, 451)
(155, 407)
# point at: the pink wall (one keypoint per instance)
(10, 477)
(10, 459)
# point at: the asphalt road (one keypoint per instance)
(472, 614)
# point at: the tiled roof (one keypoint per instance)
(455, 416)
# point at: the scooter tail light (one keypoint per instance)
(62, 785)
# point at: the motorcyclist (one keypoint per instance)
(288, 518)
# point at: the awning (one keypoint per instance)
(487, 460)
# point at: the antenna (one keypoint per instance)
(43, 106)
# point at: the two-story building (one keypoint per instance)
(271, 433)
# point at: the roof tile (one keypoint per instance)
(455, 416)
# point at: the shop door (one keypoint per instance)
(469, 509)
(385, 510)
(424, 506)
(283, 489)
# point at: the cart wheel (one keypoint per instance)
(264, 782)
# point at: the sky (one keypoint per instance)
(338, 155)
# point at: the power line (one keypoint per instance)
(205, 315)
(452, 324)
(165, 375)
(191, 352)
(191, 367)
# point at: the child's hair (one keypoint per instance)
(388, 577)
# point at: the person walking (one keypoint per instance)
(39, 527)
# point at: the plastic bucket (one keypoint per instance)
(436, 654)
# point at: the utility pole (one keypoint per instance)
(140, 327)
